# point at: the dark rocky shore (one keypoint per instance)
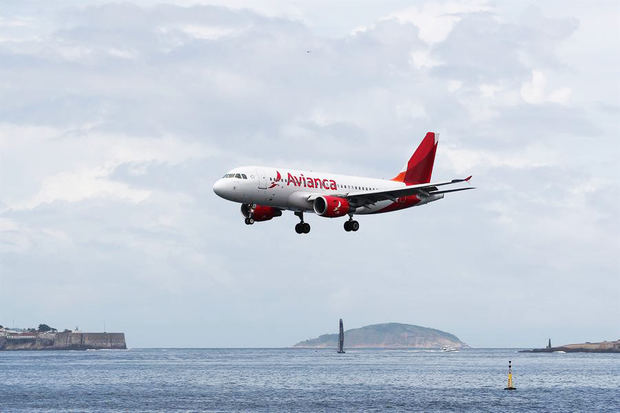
(602, 347)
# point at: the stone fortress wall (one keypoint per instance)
(65, 341)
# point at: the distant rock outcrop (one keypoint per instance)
(388, 335)
(602, 347)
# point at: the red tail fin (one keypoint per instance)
(420, 166)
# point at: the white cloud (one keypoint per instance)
(489, 90)
(79, 186)
(81, 164)
(454, 85)
(435, 20)
(462, 161)
(422, 59)
(20, 238)
(534, 91)
(561, 95)
(209, 32)
(122, 53)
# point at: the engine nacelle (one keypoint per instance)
(331, 206)
(259, 212)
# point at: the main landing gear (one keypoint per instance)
(302, 227)
(249, 221)
(351, 225)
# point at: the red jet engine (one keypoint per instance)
(331, 206)
(259, 212)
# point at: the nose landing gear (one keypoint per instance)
(351, 225)
(248, 211)
(302, 227)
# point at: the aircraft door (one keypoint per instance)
(262, 179)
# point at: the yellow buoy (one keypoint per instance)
(510, 386)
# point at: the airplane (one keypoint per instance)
(264, 192)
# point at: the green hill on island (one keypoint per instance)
(388, 335)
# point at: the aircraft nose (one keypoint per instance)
(219, 187)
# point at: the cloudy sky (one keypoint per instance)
(116, 119)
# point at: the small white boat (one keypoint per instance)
(448, 349)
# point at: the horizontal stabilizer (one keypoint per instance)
(451, 190)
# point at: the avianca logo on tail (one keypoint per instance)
(305, 181)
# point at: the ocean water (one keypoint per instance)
(269, 380)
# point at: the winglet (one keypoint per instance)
(454, 181)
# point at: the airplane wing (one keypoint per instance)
(358, 199)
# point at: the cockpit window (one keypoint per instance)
(240, 176)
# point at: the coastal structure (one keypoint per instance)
(601, 347)
(388, 335)
(341, 338)
(30, 339)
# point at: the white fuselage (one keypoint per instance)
(295, 189)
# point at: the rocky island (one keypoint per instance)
(388, 335)
(48, 338)
(601, 347)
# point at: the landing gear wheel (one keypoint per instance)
(302, 227)
(351, 225)
(249, 221)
